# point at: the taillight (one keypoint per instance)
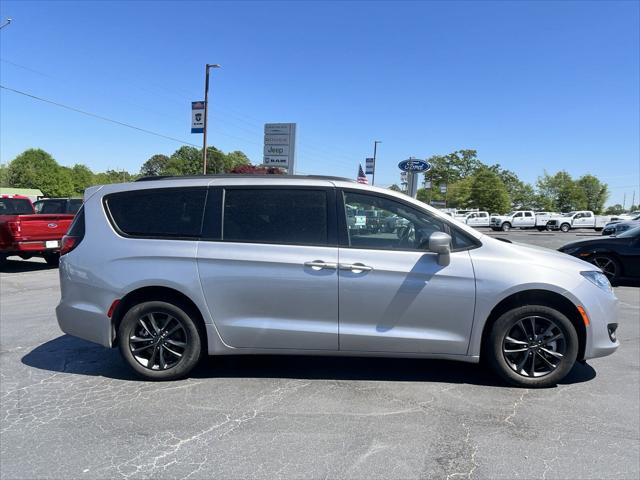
(68, 244)
(14, 228)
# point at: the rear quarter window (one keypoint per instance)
(157, 213)
(15, 206)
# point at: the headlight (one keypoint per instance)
(599, 279)
(571, 251)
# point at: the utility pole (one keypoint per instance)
(373, 175)
(633, 202)
(206, 110)
(5, 23)
(624, 201)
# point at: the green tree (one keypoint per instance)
(596, 192)
(155, 166)
(563, 193)
(35, 168)
(185, 161)
(235, 159)
(113, 176)
(459, 193)
(3, 175)
(82, 177)
(448, 169)
(614, 209)
(394, 187)
(488, 192)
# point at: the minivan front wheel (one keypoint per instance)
(159, 340)
(532, 346)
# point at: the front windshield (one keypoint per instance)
(631, 233)
(570, 214)
(511, 214)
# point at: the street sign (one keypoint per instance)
(277, 128)
(369, 166)
(414, 165)
(276, 139)
(276, 150)
(275, 161)
(280, 145)
(197, 117)
(427, 184)
(443, 188)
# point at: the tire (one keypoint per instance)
(495, 229)
(598, 229)
(541, 229)
(565, 227)
(609, 265)
(506, 226)
(138, 323)
(52, 259)
(510, 325)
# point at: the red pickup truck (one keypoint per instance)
(25, 234)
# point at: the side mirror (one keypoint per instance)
(440, 243)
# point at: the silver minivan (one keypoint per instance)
(171, 269)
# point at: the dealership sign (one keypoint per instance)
(414, 165)
(279, 145)
(197, 117)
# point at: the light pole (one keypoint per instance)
(373, 175)
(8, 21)
(206, 110)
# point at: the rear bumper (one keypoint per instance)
(30, 246)
(86, 322)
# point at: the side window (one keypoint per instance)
(484, 215)
(167, 212)
(528, 214)
(52, 206)
(518, 215)
(283, 216)
(393, 226)
(74, 205)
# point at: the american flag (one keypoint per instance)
(362, 178)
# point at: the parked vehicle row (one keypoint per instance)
(520, 219)
(620, 225)
(617, 256)
(229, 265)
(26, 233)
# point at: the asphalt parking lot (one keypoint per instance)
(72, 409)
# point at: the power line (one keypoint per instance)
(100, 117)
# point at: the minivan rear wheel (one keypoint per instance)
(160, 340)
(532, 346)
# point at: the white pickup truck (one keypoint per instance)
(475, 219)
(520, 219)
(580, 219)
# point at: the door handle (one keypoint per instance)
(319, 265)
(355, 267)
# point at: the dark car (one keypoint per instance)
(58, 205)
(618, 256)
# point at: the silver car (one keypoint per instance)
(171, 269)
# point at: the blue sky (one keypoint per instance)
(530, 85)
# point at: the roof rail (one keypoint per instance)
(241, 175)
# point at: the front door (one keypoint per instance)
(269, 273)
(394, 296)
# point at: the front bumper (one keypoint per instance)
(602, 310)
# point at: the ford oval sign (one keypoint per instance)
(52, 225)
(414, 165)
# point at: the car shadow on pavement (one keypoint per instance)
(21, 266)
(71, 355)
